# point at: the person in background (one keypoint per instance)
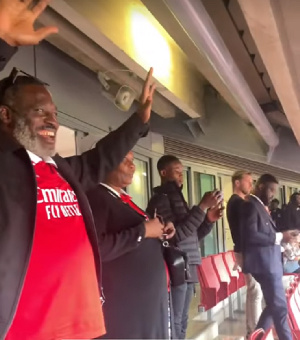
(49, 257)
(291, 257)
(261, 251)
(283, 208)
(191, 226)
(242, 186)
(134, 272)
(292, 213)
(276, 213)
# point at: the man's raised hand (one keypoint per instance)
(146, 98)
(17, 19)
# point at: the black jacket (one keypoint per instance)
(278, 218)
(291, 216)
(6, 52)
(191, 225)
(18, 201)
(133, 271)
(233, 212)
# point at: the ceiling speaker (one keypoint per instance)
(124, 97)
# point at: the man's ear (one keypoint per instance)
(261, 187)
(163, 173)
(5, 115)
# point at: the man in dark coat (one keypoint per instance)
(191, 226)
(262, 254)
(49, 259)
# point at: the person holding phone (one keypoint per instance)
(191, 226)
(134, 275)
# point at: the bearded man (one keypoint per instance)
(50, 270)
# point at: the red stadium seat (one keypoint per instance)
(294, 311)
(296, 335)
(260, 334)
(229, 260)
(212, 290)
(293, 298)
(268, 335)
(222, 273)
(257, 334)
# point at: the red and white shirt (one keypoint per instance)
(60, 298)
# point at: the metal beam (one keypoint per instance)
(267, 26)
(199, 26)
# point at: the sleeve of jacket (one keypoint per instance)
(92, 166)
(251, 235)
(6, 53)
(112, 245)
(204, 229)
(184, 229)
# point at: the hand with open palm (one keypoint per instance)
(146, 98)
(17, 19)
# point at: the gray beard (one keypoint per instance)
(30, 142)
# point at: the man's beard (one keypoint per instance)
(29, 141)
(264, 198)
(245, 192)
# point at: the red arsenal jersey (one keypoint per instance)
(60, 298)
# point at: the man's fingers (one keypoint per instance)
(169, 227)
(170, 231)
(147, 83)
(44, 32)
(39, 7)
(149, 77)
(147, 103)
(26, 2)
(152, 90)
(169, 236)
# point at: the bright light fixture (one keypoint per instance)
(150, 46)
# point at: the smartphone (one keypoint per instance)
(220, 193)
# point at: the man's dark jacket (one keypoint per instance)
(191, 224)
(261, 253)
(291, 217)
(18, 199)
